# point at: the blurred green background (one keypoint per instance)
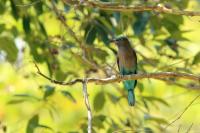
(74, 43)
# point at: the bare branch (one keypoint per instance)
(87, 103)
(62, 19)
(190, 127)
(110, 6)
(186, 108)
(120, 78)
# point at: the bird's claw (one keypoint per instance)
(119, 76)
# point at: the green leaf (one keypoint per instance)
(26, 24)
(148, 130)
(98, 121)
(170, 25)
(151, 99)
(8, 46)
(140, 24)
(172, 43)
(26, 96)
(66, 8)
(90, 34)
(2, 7)
(174, 18)
(68, 95)
(39, 8)
(22, 95)
(42, 28)
(145, 104)
(155, 119)
(140, 86)
(49, 91)
(46, 127)
(117, 16)
(114, 99)
(16, 101)
(100, 54)
(35, 47)
(2, 27)
(99, 101)
(103, 33)
(196, 59)
(32, 124)
(60, 75)
(15, 10)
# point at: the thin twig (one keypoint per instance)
(111, 6)
(87, 103)
(56, 81)
(186, 108)
(190, 127)
(120, 78)
(63, 21)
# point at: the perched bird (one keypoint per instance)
(127, 64)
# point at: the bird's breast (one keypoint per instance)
(126, 59)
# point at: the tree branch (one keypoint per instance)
(120, 78)
(110, 6)
(85, 93)
(186, 108)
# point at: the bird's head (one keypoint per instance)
(122, 40)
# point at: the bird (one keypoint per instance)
(127, 64)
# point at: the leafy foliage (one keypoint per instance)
(32, 124)
(74, 43)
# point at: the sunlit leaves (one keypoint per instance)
(140, 86)
(90, 34)
(155, 99)
(98, 121)
(103, 34)
(172, 43)
(196, 59)
(16, 101)
(32, 124)
(42, 28)
(2, 7)
(100, 54)
(148, 130)
(7, 45)
(26, 24)
(20, 98)
(93, 27)
(48, 91)
(96, 29)
(172, 25)
(68, 95)
(35, 47)
(158, 120)
(66, 8)
(99, 101)
(113, 98)
(2, 26)
(141, 22)
(38, 7)
(15, 10)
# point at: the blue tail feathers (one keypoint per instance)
(130, 86)
(131, 97)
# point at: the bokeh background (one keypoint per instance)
(72, 41)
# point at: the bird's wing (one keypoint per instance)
(118, 63)
(134, 53)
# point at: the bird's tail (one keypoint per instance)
(131, 97)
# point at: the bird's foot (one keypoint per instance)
(119, 76)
